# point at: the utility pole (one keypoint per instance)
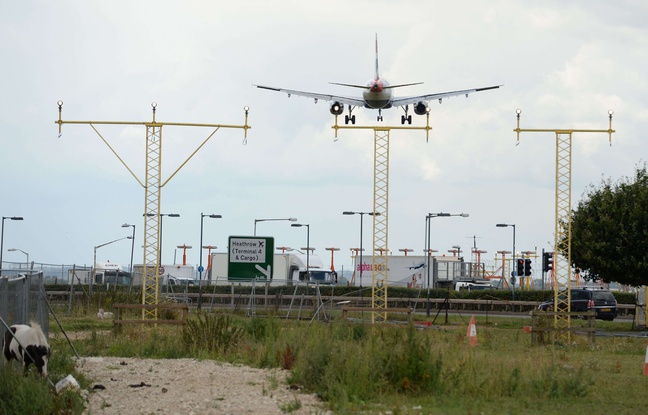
(562, 222)
(152, 185)
(381, 210)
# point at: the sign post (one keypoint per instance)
(250, 258)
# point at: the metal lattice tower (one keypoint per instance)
(380, 225)
(562, 223)
(152, 193)
(152, 185)
(381, 208)
(562, 231)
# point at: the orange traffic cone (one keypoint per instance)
(472, 331)
(646, 363)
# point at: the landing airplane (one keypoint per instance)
(377, 94)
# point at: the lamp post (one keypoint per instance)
(171, 215)
(126, 225)
(506, 225)
(428, 220)
(94, 266)
(299, 225)
(2, 233)
(200, 267)
(265, 220)
(361, 217)
(16, 249)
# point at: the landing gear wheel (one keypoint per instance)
(353, 119)
(346, 119)
(409, 119)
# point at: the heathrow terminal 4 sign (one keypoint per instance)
(250, 258)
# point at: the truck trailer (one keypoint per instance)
(288, 268)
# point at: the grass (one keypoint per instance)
(395, 368)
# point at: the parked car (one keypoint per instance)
(600, 301)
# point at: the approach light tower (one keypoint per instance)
(152, 185)
(562, 224)
(381, 205)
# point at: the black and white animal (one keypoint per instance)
(34, 342)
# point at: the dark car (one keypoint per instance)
(601, 301)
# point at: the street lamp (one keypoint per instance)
(2, 233)
(16, 249)
(505, 225)
(428, 219)
(265, 220)
(200, 267)
(99, 246)
(299, 225)
(126, 225)
(171, 215)
(361, 217)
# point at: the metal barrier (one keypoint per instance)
(22, 300)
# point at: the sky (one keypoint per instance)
(564, 64)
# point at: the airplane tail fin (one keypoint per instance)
(377, 76)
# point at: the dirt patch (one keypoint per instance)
(188, 386)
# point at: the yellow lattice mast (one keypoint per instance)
(381, 209)
(152, 193)
(562, 224)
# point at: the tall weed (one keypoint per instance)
(213, 333)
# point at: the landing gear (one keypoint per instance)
(349, 117)
(380, 117)
(406, 118)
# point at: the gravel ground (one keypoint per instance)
(188, 386)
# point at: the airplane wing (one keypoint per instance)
(357, 102)
(440, 95)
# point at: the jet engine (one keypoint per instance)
(336, 108)
(420, 108)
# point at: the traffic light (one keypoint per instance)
(520, 267)
(547, 261)
(527, 267)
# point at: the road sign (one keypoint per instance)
(250, 257)
(201, 268)
(160, 270)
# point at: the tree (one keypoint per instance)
(610, 231)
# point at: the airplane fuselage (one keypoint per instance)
(378, 95)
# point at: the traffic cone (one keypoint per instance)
(472, 331)
(646, 362)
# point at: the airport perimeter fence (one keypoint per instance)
(22, 300)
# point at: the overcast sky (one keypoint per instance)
(565, 64)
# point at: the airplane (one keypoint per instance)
(377, 94)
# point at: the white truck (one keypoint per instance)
(288, 268)
(110, 273)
